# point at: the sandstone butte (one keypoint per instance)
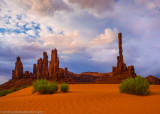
(50, 70)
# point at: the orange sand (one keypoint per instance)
(84, 99)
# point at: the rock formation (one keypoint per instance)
(18, 72)
(121, 68)
(26, 74)
(66, 72)
(34, 70)
(153, 80)
(89, 77)
(45, 65)
(41, 69)
(54, 65)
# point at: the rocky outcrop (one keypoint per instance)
(18, 72)
(41, 69)
(17, 83)
(121, 69)
(89, 77)
(153, 80)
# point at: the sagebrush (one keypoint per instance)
(45, 87)
(137, 85)
(11, 90)
(64, 87)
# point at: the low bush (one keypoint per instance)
(137, 85)
(11, 90)
(5, 92)
(45, 87)
(64, 87)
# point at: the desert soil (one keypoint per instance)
(84, 99)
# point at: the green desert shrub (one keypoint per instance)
(11, 90)
(137, 85)
(52, 87)
(5, 92)
(64, 87)
(45, 87)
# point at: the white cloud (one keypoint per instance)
(31, 32)
(105, 38)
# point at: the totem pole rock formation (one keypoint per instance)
(45, 65)
(121, 68)
(34, 70)
(18, 72)
(54, 65)
(41, 69)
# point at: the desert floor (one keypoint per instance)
(84, 99)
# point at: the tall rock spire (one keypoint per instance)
(39, 67)
(120, 44)
(34, 70)
(18, 72)
(45, 65)
(54, 65)
(121, 66)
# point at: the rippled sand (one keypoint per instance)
(84, 99)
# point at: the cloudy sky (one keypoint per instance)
(83, 31)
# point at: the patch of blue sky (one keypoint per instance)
(26, 28)
(31, 36)
(37, 26)
(50, 29)
(62, 32)
(36, 34)
(9, 31)
(18, 31)
(37, 29)
(3, 30)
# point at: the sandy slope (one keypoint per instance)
(84, 99)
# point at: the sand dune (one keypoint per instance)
(84, 99)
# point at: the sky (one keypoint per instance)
(83, 31)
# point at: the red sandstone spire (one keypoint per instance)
(121, 66)
(39, 68)
(45, 65)
(120, 43)
(18, 72)
(54, 65)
